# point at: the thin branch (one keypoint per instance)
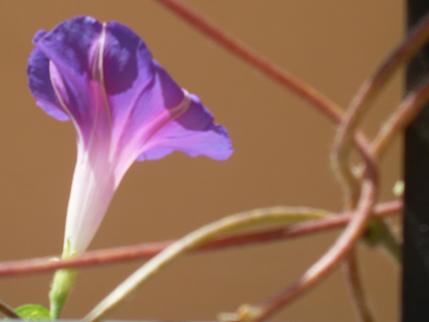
(148, 250)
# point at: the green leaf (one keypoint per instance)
(33, 312)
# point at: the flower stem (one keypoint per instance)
(62, 284)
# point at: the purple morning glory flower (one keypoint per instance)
(124, 106)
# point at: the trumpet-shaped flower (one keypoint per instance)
(124, 106)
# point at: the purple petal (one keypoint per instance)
(155, 154)
(41, 87)
(65, 63)
(69, 44)
(127, 61)
(128, 71)
(161, 94)
(193, 133)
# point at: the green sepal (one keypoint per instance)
(61, 286)
(374, 233)
(378, 233)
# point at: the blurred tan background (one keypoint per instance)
(281, 155)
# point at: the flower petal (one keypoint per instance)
(194, 133)
(40, 85)
(161, 94)
(92, 190)
(70, 44)
(128, 71)
(155, 127)
(128, 64)
(69, 47)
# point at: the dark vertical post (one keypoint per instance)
(415, 289)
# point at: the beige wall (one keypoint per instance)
(281, 155)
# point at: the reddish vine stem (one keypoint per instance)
(246, 54)
(354, 280)
(148, 250)
(337, 252)
(297, 86)
(367, 94)
(407, 111)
